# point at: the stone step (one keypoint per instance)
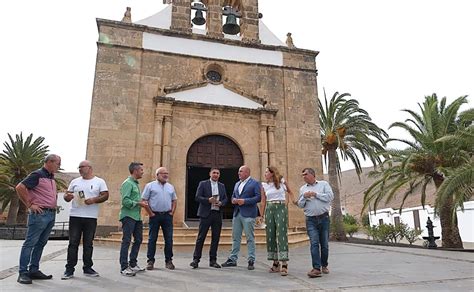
(191, 237)
(115, 242)
(186, 237)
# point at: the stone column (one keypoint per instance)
(271, 146)
(157, 141)
(263, 150)
(249, 21)
(181, 16)
(214, 19)
(166, 152)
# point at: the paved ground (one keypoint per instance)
(353, 267)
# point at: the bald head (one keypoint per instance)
(85, 169)
(244, 172)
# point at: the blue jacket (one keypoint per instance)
(251, 195)
(204, 192)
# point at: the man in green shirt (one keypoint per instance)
(130, 217)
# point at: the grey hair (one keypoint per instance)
(310, 171)
(133, 166)
(51, 157)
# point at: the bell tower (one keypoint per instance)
(219, 18)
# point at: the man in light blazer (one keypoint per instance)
(245, 197)
(212, 197)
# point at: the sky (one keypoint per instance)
(388, 54)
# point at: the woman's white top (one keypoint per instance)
(274, 194)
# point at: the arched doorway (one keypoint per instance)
(204, 153)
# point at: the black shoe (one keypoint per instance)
(214, 265)
(89, 272)
(38, 275)
(251, 266)
(229, 263)
(24, 279)
(67, 275)
(194, 264)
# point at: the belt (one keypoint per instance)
(162, 213)
(48, 209)
(277, 202)
(321, 216)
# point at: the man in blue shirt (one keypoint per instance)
(315, 199)
(161, 197)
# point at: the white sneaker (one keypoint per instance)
(127, 272)
(137, 269)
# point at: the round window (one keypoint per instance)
(213, 76)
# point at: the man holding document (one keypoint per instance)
(86, 192)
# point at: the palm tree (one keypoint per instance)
(348, 128)
(430, 158)
(18, 159)
(459, 182)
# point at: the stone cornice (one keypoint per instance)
(170, 100)
(166, 32)
(183, 87)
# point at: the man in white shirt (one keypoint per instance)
(211, 195)
(86, 192)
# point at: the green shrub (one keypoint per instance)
(349, 219)
(351, 228)
(411, 235)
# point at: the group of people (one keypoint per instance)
(159, 199)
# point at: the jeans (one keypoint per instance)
(214, 221)
(246, 224)
(78, 227)
(165, 221)
(39, 228)
(129, 227)
(318, 233)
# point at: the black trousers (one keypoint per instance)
(78, 227)
(214, 221)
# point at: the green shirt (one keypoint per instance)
(130, 193)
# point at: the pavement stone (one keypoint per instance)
(353, 267)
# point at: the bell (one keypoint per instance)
(231, 26)
(199, 18)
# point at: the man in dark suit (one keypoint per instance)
(245, 197)
(211, 196)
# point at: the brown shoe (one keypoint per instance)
(150, 266)
(325, 270)
(169, 265)
(314, 273)
(275, 268)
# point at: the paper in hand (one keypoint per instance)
(80, 198)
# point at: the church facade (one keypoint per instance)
(168, 92)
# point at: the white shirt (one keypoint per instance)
(274, 194)
(215, 191)
(91, 188)
(242, 184)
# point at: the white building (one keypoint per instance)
(416, 217)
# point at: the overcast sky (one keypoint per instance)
(387, 54)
